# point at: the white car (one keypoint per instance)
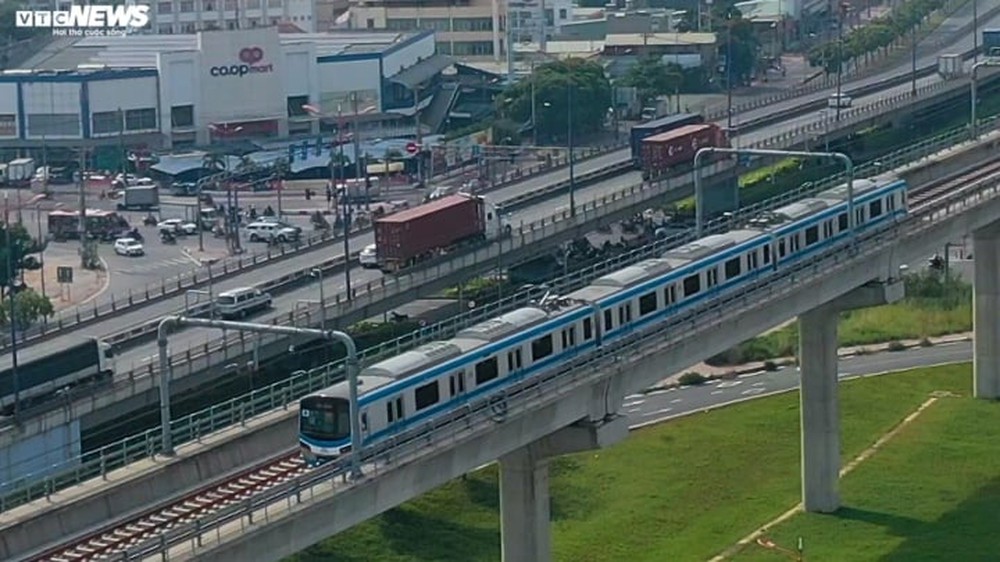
(839, 100)
(268, 231)
(177, 226)
(368, 257)
(129, 247)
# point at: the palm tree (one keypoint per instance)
(214, 161)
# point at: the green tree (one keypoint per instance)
(9, 31)
(651, 77)
(29, 307)
(556, 83)
(20, 245)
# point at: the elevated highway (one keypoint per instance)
(577, 406)
(206, 357)
(943, 212)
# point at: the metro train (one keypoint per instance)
(435, 379)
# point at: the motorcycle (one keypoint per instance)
(136, 235)
(150, 220)
(167, 237)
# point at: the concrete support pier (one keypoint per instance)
(820, 410)
(524, 506)
(986, 311)
(524, 485)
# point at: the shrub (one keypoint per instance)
(770, 365)
(692, 378)
(896, 346)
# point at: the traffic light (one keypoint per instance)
(304, 150)
(319, 146)
(291, 153)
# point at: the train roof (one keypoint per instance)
(839, 193)
(799, 209)
(708, 245)
(366, 383)
(497, 328)
(415, 359)
(634, 274)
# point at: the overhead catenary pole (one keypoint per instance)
(699, 195)
(16, 379)
(569, 135)
(170, 322)
(82, 226)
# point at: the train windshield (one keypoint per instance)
(325, 418)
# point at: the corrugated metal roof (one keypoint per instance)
(658, 39)
(426, 209)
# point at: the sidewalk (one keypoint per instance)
(85, 287)
(733, 371)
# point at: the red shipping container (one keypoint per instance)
(406, 236)
(666, 150)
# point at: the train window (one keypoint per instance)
(767, 254)
(827, 229)
(812, 235)
(607, 320)
(859, 216)
(692, 284)
(669, 295)
(569, 336)
(624, 313)
(514, 360)
(588, 329)
(389, 412)
(712, 277)
(781, 248)
(793, 243)
(399, 408)
(842, 222)
(752, 263)
(890, 203)
(732, 268)
(364, 421)
(647, 303)
(426, 395)
(541, 348)
(487, 370)
(875, 208)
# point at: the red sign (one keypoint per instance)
(412, 147)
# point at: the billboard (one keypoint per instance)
(240, 75)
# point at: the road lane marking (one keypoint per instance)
(660, 411)
(752, 391)
(676, 400)
(728, 384)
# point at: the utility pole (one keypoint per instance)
(729, 71)
(82, 224)
(419, 137)
(840, 53)
(13, 317)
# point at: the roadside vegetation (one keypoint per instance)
(666, 493)
(935, 305)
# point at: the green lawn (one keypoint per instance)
(689, 489)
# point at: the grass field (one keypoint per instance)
(687, 490)
(932, 308)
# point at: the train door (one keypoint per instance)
(365, 426)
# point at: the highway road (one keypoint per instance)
(333, 286)
(661, 405)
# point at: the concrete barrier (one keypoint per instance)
(140, 487)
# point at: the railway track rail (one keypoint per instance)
(113, 541)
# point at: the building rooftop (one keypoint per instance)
(658, 39)
(139, 51)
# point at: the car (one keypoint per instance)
(279, 222)
(839, 100)
(368, 258)
(129, 247)
(177, 226)
(240, 302)
(268, 231)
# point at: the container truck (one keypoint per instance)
(665, 151)
(20, 172)
(42, 371)
(991, 42)
(140, 198)
(656, 127)
(407, 237)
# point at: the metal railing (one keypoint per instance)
(239, 410)
(478, 419)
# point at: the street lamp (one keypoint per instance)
(975, 68)
(16, 380)
(840, 53)
(569, 142)
(729, 69)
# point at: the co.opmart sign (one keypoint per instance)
(250, 58)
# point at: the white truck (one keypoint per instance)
(950, 66)
(20, 172)
(140, 198)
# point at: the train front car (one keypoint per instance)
(325, 420)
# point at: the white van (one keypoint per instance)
(238, 303)
(264, 231)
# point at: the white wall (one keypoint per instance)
(180, 84)
(53, 98)
(338, 79)
(8, 106)
(407, 56)
(130, 93)
(299, 61)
